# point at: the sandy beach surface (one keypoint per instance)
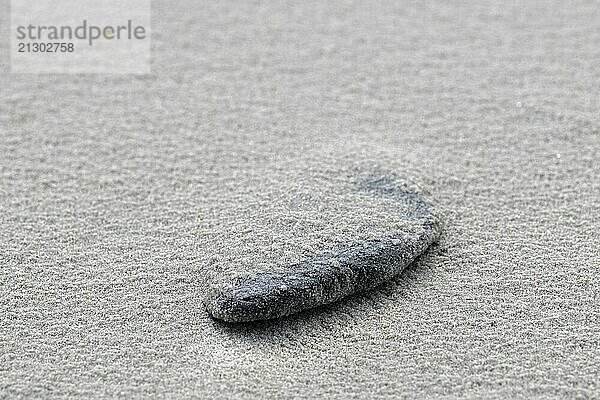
(123, 197)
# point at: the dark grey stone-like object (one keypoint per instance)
(322, 280)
